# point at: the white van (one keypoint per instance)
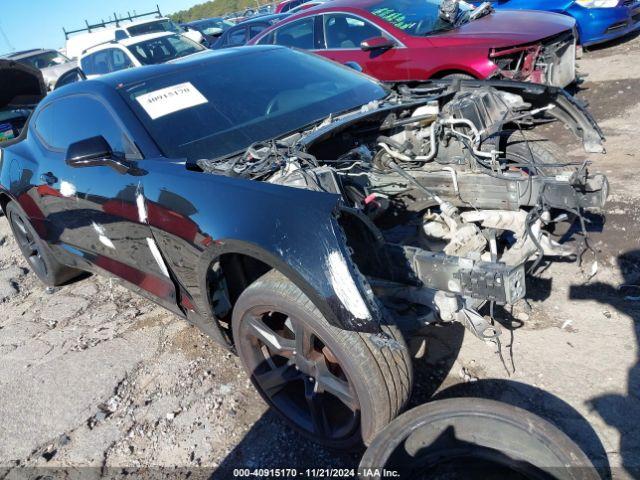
(125, 27)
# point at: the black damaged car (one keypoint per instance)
(301, 213)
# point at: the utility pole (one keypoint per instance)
(6, 39)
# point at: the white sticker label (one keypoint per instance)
(170, 100)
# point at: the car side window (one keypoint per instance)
(256, 29)
(297, 34)
(119, 60)
(347, 32)
(266, 40)
(71, 119)
(96, 63)
(237, 37)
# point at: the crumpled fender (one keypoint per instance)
(295, 231)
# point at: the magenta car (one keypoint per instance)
(405, 40)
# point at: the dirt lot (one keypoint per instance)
(93, 376)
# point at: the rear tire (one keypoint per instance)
(277, 329)
(474, 438)
(37, 253)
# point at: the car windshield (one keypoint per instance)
(164, 25)
(164, 49)
(210, 27)
(215, 107)
(417, 18)
(44, 60)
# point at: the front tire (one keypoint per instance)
(336, 387)
(37, 253)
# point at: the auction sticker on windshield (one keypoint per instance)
(170, 100)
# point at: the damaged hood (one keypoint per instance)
(508, 28)
(20, 85)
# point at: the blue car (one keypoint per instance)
(597, 20)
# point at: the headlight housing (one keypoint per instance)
(597, 3)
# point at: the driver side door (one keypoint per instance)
(341, 37)
(98, 214)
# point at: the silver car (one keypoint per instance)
(51, 63)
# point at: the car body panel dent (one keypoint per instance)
(228, 215)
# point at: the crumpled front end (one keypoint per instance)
(446, 199)
(551, 61)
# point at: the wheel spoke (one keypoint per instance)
(315, 403)
(328, 382)
(33, 248)
(303, 340)
(273, 381)
(275, 342)
(18, 223)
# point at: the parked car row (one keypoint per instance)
(391, 40)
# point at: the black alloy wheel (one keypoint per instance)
(299, 374)
(36, 251)
(28, 243)
(336, 387)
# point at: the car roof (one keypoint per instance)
(202, 20)
(262, 18)
(338, 4)
(26, 53)
(143, 38)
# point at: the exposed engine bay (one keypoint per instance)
(446, 191)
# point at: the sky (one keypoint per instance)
(38, 23)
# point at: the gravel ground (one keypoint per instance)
(96, 380)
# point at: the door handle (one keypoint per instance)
(49, 178)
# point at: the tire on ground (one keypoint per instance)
(382, 376)
(476, 438)
(53, 272)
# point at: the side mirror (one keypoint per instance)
(377, 43)
(95, 152)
